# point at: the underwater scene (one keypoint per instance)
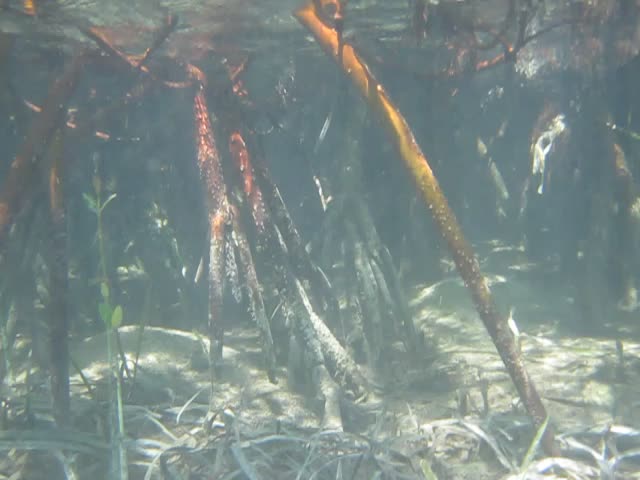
(319, 239)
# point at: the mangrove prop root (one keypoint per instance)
(58, 285)
(368, 294)
(300, 259)
(381, 259)
(335, 356)
(25, 164)
(218, 216)
(255, 300)
(311, 330)
(325, 354)
(137, 65)
(311, 326)
(443, 217)
(304, 325)
(242, 159)
(355, 337)
(169, 26)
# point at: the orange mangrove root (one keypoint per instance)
(170, 24)
(253, 195)
(219, 218)
(137, 64)
(433, 197)
(242, 159)
(18, 181)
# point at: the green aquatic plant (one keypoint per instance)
(534, 447)
(111, 316)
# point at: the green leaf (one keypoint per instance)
(104, 290)
(427, 472)
(106, 312)
(535, 443)
(116, 317)
(91, 202)
(106, 202)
